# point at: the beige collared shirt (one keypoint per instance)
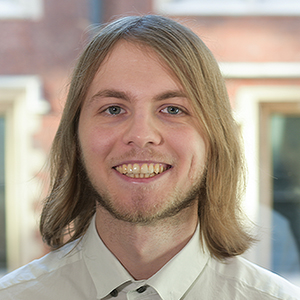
(88, 270)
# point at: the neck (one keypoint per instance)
(145, 249)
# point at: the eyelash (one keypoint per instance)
(178, 110)
(165, 110)
(113, 107)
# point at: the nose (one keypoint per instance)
(142, 130)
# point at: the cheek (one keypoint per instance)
(190, 148)
(189, 144)
(100, 143)
(95, 144)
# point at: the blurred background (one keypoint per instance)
(257, 44)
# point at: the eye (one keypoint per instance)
(172, 110)
(114, 110)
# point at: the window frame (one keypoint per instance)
(2, 183)
(21, 9)
(228, 8)
(287, 107)
(257, 197)
(22, 106)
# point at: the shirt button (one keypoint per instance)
(114, 293)
(142, 289)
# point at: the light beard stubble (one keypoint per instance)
(179, 203)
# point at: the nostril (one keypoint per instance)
(143, 141)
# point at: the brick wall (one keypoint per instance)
(114, 8)
(46, 48)
(49, 47)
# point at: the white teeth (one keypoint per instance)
(151, 170)
(161, 168)
(143, 171)
(136, 169)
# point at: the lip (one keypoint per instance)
(141, 162)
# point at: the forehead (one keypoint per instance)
(134, 66)
(124, 48)
(134, 56)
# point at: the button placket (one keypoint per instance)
(141, 289)
(144, 292)
(114, 293)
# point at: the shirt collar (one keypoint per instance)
(176, 277)
(171, 282)
(106, 271)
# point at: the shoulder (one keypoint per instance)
(247, 278)
(47, 272)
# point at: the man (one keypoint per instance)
(146, 174)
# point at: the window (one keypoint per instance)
(3, 259)
(228, 7)
(21, 9)
(269, 117)
(280, 148)
(21, 109)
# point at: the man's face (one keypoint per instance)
(141, 145)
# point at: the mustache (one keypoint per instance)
(148, 154)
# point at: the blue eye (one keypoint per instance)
(172, 110)
(114, 110)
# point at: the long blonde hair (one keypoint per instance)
(68, 210)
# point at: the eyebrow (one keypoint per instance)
(170, 95)
(112, 93)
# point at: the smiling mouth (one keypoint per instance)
(142, 170)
